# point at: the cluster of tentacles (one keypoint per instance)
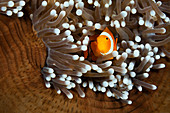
(66, 25)
(12, 7)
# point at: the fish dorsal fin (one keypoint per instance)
(108, 31)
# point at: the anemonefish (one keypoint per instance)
(102, 44)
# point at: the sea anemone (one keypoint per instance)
(65, 28)
(10, 7)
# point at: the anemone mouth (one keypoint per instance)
(65, 28)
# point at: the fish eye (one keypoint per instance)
(106, 38)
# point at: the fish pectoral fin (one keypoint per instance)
(115, 45)
(94, 58)
(85, 54)
(116, 40)
(95, 49)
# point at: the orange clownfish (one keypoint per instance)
(102, 44)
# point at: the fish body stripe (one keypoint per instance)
(111, 40)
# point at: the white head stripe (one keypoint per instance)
(111, 40)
